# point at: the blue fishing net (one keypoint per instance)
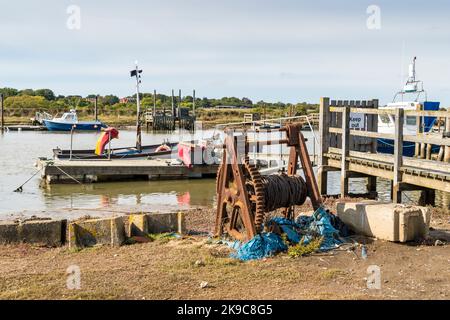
(305, 227)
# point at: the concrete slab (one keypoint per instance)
(166, 222)
(9, 232)
(387, 221)
(89, 233)
(42, 232)
(47, 232)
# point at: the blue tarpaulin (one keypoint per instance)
(305, 227)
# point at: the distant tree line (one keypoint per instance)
(46, 99)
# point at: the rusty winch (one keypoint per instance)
(244, 196)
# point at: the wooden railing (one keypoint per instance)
(336, 139)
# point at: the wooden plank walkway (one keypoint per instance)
(339, 152)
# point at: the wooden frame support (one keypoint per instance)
(398, 156)
(345, 150)
(322, 174)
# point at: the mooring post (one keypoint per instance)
(398, 155)
(154, 104)
(2, 111)
(345, 150)
(324, 116)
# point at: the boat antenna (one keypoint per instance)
(137, 73)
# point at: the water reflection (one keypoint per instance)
(19, 151)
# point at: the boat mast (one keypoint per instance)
(136, 73)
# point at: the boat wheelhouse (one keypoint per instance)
(412, 124)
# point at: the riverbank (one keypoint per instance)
(174, 269)
(209, 117)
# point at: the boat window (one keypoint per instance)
(384, 118)
(411, 121)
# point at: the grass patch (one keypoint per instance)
(301, 249)
(331, 273)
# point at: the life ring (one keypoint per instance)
(163, 148)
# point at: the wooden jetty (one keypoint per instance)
(169, 120)
(65, 171)
(354, 152)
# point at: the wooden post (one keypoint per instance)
(154, 103)
(428, 153)
(398, 155)
(422, 151)
(324, 119)
(447, 149)
(418, 131)
(2, 110)
(173, 104)
(372, 180)
(345, 150)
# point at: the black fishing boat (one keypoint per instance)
(118, 153)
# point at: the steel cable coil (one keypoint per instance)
(283, 191)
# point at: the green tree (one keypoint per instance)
(26, 102)
(9, 92)
(110, 100)
(46, 93)
(26, 92)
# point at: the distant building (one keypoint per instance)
(232, 107)
(128, 100)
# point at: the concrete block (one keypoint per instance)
(181, 223)
(89, 233)
(45, 232)
(137, 225)
(387, 221)
(9, 232)
(42, 232)
(165, 222)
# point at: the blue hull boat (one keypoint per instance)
(78, 126)
(70, 121)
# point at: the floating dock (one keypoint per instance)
(26, 128)
(65, 171)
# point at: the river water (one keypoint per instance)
(20, 150)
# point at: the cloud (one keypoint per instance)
(278, 50)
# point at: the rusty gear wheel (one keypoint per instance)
(255, 191)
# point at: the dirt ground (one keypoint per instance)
(175, 269)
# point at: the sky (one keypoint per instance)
(283, 50)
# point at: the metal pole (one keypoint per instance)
(173, 104)
(2, 110)
(109, 145)
(193, 104)
(138, 120)
(71, 141)
(179, 104)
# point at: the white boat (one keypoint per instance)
(386, 123)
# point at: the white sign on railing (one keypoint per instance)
(357, 121)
